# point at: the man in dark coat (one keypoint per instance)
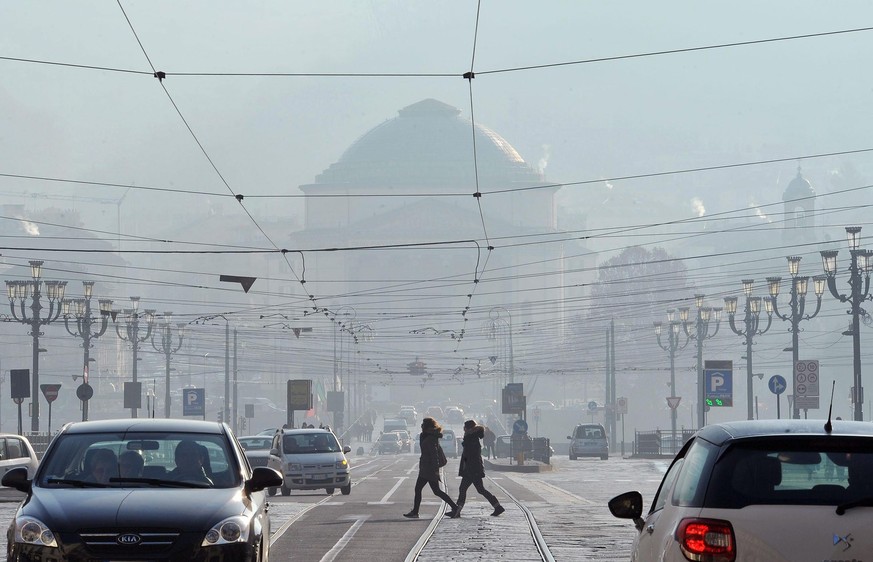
(472, 470)
(428, 466)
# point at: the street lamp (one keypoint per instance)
(752, 328)
(495, 326)
(131, 333)
(21, 291)
(86, 327)
(165, 346)
(671, 347)
(705, 316)
(859, 267)
(797, 303)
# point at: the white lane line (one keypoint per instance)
(341, 544)
(384, 500)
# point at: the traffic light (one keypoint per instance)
(242, 423)
(220, 416)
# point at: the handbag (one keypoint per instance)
(441, 457)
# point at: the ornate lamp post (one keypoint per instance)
(131, 333)
(797, 305)
(78, 313)
(752, 328)
(165, 346)
(705, 317)
(20, 291)
(859, 287)
(671, 347)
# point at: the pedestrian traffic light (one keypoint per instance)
(220, 416)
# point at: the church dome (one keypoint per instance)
(428, 145)
(798, 188)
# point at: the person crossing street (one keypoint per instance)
(472, 470)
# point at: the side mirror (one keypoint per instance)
(570, 438)
(628, 505)
(275, 452)
(347, 449)
(263, 477)
(17, 478)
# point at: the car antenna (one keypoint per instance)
(828, 426)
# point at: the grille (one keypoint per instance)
(317, 466)
(106, 543)
(258, 461)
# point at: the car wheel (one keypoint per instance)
(286, 491)
(604, 457)
(572, 457)
(347, 489)
(329, 491)
(271, 491)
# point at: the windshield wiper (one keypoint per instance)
(162, 482)
(76, 483)
(860, 502)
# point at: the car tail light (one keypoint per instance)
(707, 540)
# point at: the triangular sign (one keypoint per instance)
(296, 332)
(673, 401)
(246, 282)
(493, 359)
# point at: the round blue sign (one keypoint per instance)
(520, 426)
(777, 384)
(592, 405)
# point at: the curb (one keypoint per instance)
(529, 466)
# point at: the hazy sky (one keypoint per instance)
(578, 117)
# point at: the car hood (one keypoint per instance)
(313, 458)
(66, 509)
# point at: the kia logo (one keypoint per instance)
(129, 539)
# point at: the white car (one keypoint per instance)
(766, 490)
(16, 451)
(310, 459)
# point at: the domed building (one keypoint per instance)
(414, 179)
(799, 199)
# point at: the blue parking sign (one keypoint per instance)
(719, 386)
(194, 402)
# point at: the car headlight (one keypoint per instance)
(231, 530)
(30, 530)
(342, 464)
(295, 467)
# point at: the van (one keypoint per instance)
(310, 459)
(589, 440)
(394, 424)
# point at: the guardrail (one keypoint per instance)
(660, 442)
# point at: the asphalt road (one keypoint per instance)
(569, 505)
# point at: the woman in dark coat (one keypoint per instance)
(428, 466)
(472, 469)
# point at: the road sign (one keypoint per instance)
(621, 405)
(50, 391)
(20, 383)
(513, 398)
(777, 384)
(592, 406)
(806, 384)
(718, 381)
(84, 391)
(519, 427)
(673, 401)
(194, 402)
(299, 394)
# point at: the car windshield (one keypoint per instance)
(255, 443)
(143, 459)
(303, 443)
(828, 471)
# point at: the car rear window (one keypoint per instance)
(812, 471)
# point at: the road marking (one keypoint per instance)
(384, 500)
(341, 544)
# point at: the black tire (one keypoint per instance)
(271, 491)
(572, 457)
(286, 491)
(347, 489)
(604, 457)
(329, 491)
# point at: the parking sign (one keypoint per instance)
(718, 377)
(194, 402)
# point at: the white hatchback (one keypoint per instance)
(16, 451)
(768, 490)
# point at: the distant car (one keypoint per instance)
(256, 449)
(409, 414)
(449, 443)
(776, 490)
(543, 405)
(436, 413)
(389, 443)
(16, 451)
(454, 415)
(589, 440)
(405, 440)
(502, 446)
(193, 499)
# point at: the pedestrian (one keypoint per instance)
(429, 465)
(472, 470)
(488, 441)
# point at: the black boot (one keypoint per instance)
(498, 509)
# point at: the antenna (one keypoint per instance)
(828, 426)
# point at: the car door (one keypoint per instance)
(13, 454)
(650, 541)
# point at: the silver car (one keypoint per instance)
(16, 451)
(767, 490)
